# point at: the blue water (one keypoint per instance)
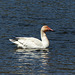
(25, 18)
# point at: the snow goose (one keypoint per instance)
(31, 42)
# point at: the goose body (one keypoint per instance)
(31, 42)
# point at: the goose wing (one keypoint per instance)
(27, 42)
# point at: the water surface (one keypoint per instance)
(25, 18)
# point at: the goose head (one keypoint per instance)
(46, 28)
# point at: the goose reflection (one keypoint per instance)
(29, 50)
(32, 57)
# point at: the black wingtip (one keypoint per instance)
(14, 38)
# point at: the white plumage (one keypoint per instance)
(31, 42)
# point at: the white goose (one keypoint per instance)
(31, 42)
